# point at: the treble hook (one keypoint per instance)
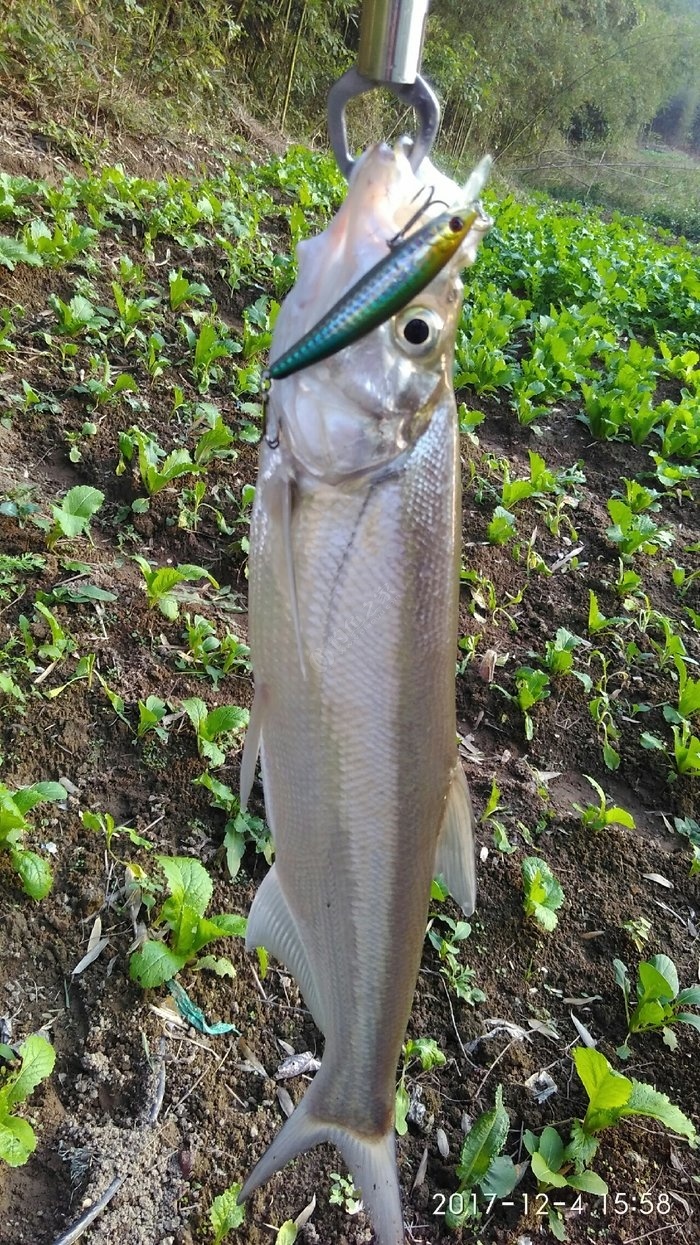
(430, 202)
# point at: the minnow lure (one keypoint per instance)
(389, 286)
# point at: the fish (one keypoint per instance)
(414, 259)
(353, 603)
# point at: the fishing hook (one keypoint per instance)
(430, 202)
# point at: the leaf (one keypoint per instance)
(502, 1177)
(188, 881)
(556, 1224)
(224, 719)
(483, 1142)
(154, 964)
(225, 1214)
(645, 1100)
(403, 1103)
(582, 1147)
(17, 1137)
(287, 1233)
(28, 797)
(551, 1148)
(544, 1173)
(218, 964)
(34, 871)
(38, 1058)
(666, 970)
(589, 1182)
(77, 508)
(607, 1090)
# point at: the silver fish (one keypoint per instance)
(354, 579)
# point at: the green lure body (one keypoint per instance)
(382, 292)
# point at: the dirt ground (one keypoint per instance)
(221, 1103)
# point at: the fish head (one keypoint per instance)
(366, 405)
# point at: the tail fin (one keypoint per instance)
(372, 1163)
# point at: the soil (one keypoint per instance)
(221, 1105)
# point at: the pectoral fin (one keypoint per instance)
(272, 924)
(454, 860)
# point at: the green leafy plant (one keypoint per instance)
(542, 894)
(556, 1166)
(34, 872)
(241, 829)
(598, 816)
(343, 1193)
(225, 1213)
(104, 823)
(458, 976)
(501, 527)
(36, 1059)
(190, 890)
(612, 1097)
(532, 687)
(635, 533)
(425, 1051)
(660, 1001)
(223, 723)
(209, 655)
(559, 652)
(159, 584)
(482, 1166)
(156, 469)
(72, 517)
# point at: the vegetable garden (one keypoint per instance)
(550, 1077)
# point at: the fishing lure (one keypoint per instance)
(388, 286)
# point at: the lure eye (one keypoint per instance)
(417, 331)
(456, 224)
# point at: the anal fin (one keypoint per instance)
(454, 860)
(272, 924)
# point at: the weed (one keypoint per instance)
(222, 724)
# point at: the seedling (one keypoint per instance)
(190, 890)
(558, 653)
(686, 750)
(612, 1097)
(225, 1214)
(501, 527)
(542, 894)
(152, 711)
(223, 724)
(635, 533)
(598, 816)
(34, 872)
(103, 823)
(184, 291)
(208, 654)
(155, 474)
(343, 1193)
(500, 837)
(533, 686)
(72, 517)
(241, 828)
(660, 1001)
(159, 584)
(427, 1052)
(211, 343)
(638, 928)
(557, 1166)
(36, 1058)
(482, 1167)
(459, 977)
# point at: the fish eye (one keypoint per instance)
(417, 330)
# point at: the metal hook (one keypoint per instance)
(417, 94)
